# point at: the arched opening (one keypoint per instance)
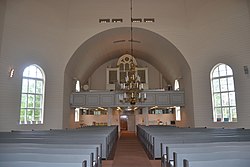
(111, 44)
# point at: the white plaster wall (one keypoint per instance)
(3, 71)
(248, 3)
(33, 36)
(154, 119)
(89, 119)
(98, 78)
(205, 38)
(133, 120)
(155, 80)
(48, 32)
(221, 36)
(2, 14)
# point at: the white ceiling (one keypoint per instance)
(152, 48)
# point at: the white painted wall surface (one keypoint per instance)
(47, 33)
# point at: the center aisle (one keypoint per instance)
(129, 152)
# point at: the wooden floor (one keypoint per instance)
(130, 153)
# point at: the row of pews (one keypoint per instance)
(84, 147)
(196, 147)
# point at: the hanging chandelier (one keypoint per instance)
(132, 89)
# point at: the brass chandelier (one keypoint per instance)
(132, 89)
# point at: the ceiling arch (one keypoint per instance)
(110, 44)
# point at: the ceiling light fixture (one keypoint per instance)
(132, 89)
(11, 72)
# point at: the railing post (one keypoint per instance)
(153, 149)
(161, 150)
(185, 163)
(164, 161)
(84, 163)
(175, 159)
(91, 160)
(97, 157)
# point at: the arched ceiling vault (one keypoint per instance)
(113, 43)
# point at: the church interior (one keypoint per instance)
(139, 83)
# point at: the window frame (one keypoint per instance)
(223, 94)
(28, 93)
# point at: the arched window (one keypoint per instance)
(176, 85)
(77, 114)
(78, 86)
(124, 64)
(32, 99)
(223, 94)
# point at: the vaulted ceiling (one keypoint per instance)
(113, 43)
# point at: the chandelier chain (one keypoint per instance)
(132, 88)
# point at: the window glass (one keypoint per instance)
(29, 115)
(127, 66)
(229, 70)
(216, 85)
(31, 99)
(225, 112)
(31, 87)
(112, 77)
(224, 97)
(37, 115)
(218, 114)
(176, 85)
(39, 86)
(230, 83)
(39, 74)
(78, 87)
(77, 114)
(24, 101)
(222, 70)
(178, 113)
(122, 67)
(22, 115)
(233, 114)
(216, 72)
(223, 84)
(25, 86)
(122, 77)
(38, 101)
(232, 99)
(217, 100)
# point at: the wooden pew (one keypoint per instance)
(167, 150)
(107, 137)
(152, 137)
(40, 164)
(218, 163)
(96, 142)
(47, 158)
(209, 156)
(54, 148)
(89, 141)
(38, 150)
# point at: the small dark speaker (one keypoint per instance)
(245, 69)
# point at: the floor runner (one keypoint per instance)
(129, 152)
